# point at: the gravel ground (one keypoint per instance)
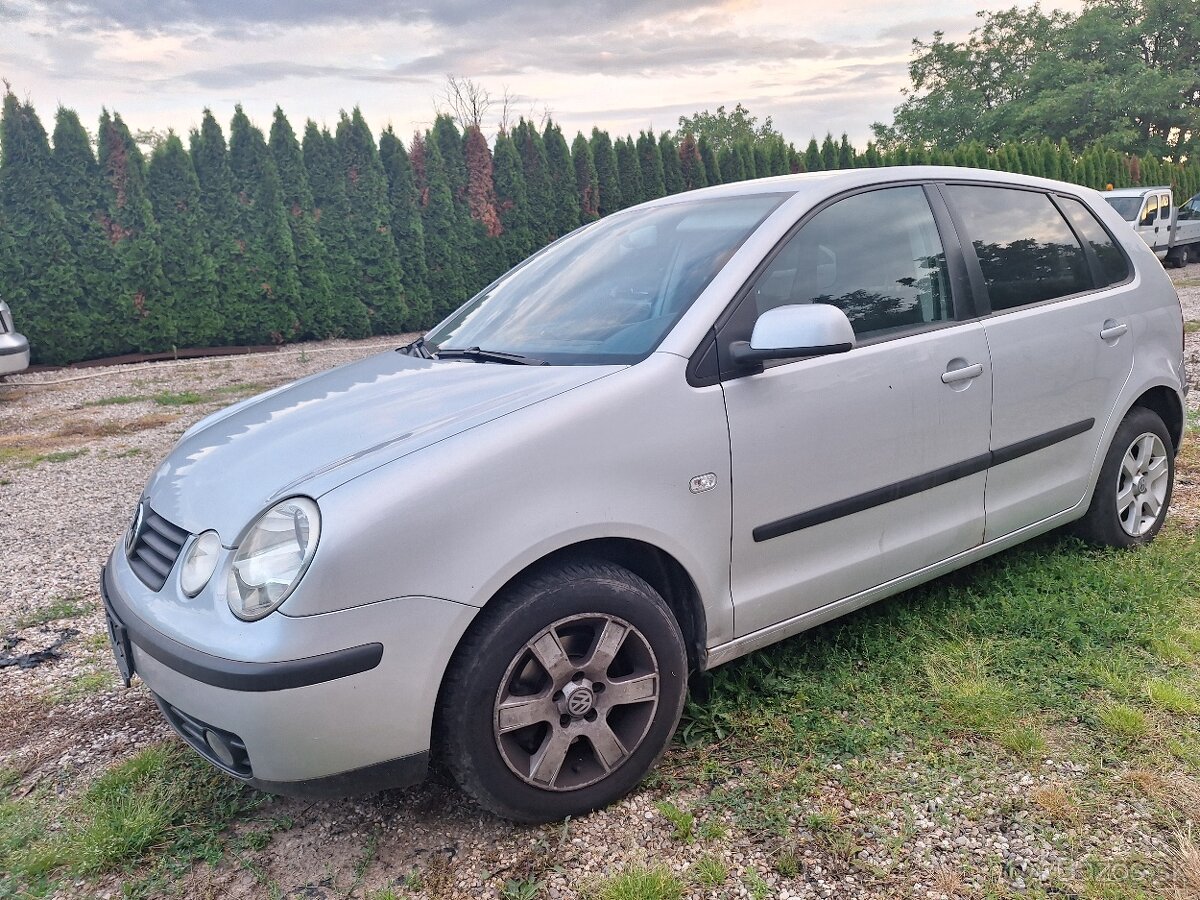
(971, 823)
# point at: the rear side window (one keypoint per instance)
(1114, 267)
(876, 256)
(1026, 250)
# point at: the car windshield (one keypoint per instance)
(1126, 207)
(610, 292)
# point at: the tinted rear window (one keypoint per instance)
(1027, 251)
(1114, 267)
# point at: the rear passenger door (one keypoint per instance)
(1042, 267)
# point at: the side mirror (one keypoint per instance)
(786, 332)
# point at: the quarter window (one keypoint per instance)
(876, 256)
(1025, 248)
(1114, 268)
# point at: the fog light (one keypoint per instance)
(220, 747)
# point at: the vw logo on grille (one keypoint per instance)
(580, 701)
(135, 529)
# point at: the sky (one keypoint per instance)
(625, 65)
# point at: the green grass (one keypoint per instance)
(61, 608)
(1051, 637)
(683, 823)
(117, 400)
(86, 684)
(26, 458)
(223, 393)
(1171, 697)
(179, 398)
(162, 808)
(709, 872)
(640, 883)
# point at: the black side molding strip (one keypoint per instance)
(236, 675)
(917, 484)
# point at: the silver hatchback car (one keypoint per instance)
(14, 348)
(674, 436)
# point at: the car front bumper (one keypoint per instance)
(14, 353)
(351, 720)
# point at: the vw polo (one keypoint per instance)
(672, 437)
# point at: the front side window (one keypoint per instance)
(1149, 211)
(609, 293)
(876, 256)
(1025, 248)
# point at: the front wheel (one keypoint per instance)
(565, 693)
(1133, 492)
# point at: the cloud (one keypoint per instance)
(150, 16)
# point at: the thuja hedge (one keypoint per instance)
(272, 238)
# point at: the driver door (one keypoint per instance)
(853, 469)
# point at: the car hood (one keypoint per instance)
(315, 434)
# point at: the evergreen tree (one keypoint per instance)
(846, 153)
(691, 166)
(587, 181)
(532, 150)
(608, 177)
(672, 168)
(271, 283)
(142, 314)
(322, 165)
(77, 184)
(442, 251)
(629, 169)
(762, 161)
(516, 238)
(712, 172)
(407, 230)
(829, 158)
(190, 276)
(564, 211)
(733, 165)
(449, 142)
(812, 157)
(380, 282)
(315, 308)
(490, 259)
(41, 282)
(746, 151)
(210, 159)
(651, 164)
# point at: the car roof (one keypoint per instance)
(1135, 191)
(838, 180)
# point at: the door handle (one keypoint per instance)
(1113, 330)
(964, 374)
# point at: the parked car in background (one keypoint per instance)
(679, 434)
(1172, 232)
(14, 349)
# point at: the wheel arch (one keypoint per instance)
(1165, 403)
(655, 566)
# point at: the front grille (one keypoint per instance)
(155, 548)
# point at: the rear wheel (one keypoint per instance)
(565, 693)
(1134, 489)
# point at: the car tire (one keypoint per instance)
(1133, 491)
(564, 694)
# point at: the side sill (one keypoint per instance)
(764, 637)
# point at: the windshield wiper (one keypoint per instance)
(416, 348)
(496, 356)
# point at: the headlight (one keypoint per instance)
(199, 563)
(273, 557)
